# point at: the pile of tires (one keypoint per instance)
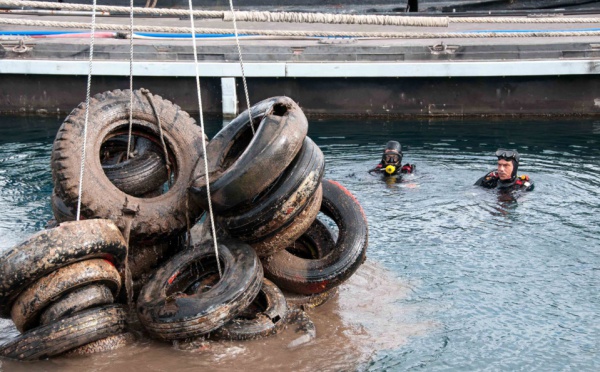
(265, 187)
(67, 288)
(59, 287)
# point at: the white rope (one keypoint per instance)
(314, 33)
(237, 41)
(130, 79)
(252, 16)
(300, 17)
(210, 210)
(87, 113)
(332, 18)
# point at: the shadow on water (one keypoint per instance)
(457, 277)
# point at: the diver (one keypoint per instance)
(391, 161)
(505, 176)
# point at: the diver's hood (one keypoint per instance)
(392, 153)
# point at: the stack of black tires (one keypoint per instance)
(278, 226)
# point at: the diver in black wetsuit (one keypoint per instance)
(505, 177)
(391, 161)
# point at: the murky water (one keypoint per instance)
(457, 278)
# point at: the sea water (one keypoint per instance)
(458, 278)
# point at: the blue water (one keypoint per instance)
(501, 283)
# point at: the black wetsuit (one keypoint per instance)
(492, 181)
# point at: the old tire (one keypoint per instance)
(170, 307)
(265, 316)
(106, 344)
(66, 334)
(286, 198)
(305, 302)
(139, 175)
(151, 218)
(315, 243)
(286, 235)
(241, 165)
(311, 276)
(144, 257)
(28, 306)
(77, 300)
(49, 250)
(144, 172)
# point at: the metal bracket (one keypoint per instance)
(21, 48)
(442, 48)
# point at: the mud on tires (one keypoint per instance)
(265, 316)
(311, 276)
(51, 249)
(241, 165)
(66, 334)
(28, 306)
(109, 117)
(77, 300)
(185, 298)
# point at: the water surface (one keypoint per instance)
(458, 278)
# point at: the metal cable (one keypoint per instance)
(237, 41)
(87, 113)
(148, 95)
(130, 80)
(210, 210)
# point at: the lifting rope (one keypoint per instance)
(237, 41)
(87, 113)
(314, 33)
(131, 81)
(210, 209)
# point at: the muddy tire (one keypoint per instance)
(26, 310)
(285, 236)
(78, 300)
(139, 175)
(311, 276)
(144, 172)
(61, 212)
(306, 302)
(285, 199)
(176, 304)
(52, 249)
(315, 243)
(144, 257)
(151, 218)
(265, 316)
(106, 344)
(66, 334)
(241, 165)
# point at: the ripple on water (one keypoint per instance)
(457, 277)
